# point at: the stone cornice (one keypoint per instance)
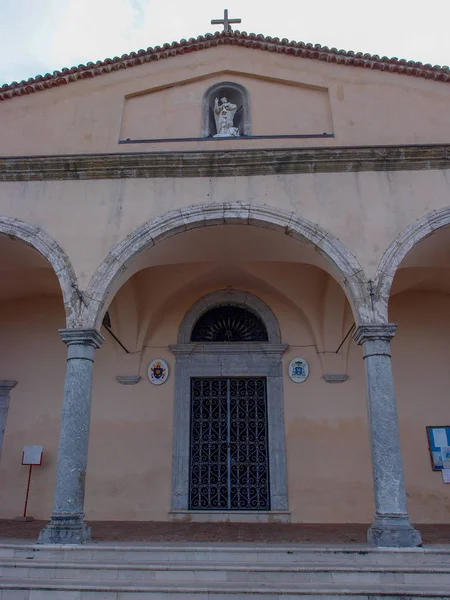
(224, 163)
(227, 348)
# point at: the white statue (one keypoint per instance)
(224, 115)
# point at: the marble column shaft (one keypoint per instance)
(392, 526)
(5, 389)
(66, 525)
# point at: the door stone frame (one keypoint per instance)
(229, 359)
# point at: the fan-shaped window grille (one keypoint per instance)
(229, 323)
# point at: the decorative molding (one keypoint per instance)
(230, 38)
(172, 140)
(373, 332)
(85, 337)
(128, 379)
(224, 163)
(228, 348)
(335, 377)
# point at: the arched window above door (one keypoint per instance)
(229, 323)
(234, 314)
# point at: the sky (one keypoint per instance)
(41, 36)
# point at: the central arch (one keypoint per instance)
(112, 273)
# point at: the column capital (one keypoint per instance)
(373, 332)
(6, 385)
(85, 337)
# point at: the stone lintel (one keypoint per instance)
(86, 337)
(225, 163)
(228, 348)
(6, 385)
(372, 332)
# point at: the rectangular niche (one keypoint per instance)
(276, 108)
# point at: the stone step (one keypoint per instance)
(223, 572)
(71, 590)
(236, 553)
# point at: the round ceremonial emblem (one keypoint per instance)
(158, 371)
(298, 370)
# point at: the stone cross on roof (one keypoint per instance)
(225, 21)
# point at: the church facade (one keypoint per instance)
(225, 289)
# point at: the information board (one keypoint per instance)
(439, 445)
(32, 455)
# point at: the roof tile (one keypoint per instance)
(251, 40)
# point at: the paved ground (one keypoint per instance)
(127, 531)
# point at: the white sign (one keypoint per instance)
(32, 455)
(440, 438)
(158, 371)
(446, 475)
(298, 370)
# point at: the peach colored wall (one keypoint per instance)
(129, 471)
(420, 357)
(367, 107)
(366, 211)
(174, 112)
(32, 354)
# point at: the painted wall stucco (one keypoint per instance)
(129, 469)
(367, 107)
(365, 211)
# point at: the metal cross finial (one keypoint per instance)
(225, 21)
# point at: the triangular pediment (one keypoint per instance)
(241, 39)
(295, 95)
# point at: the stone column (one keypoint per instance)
(391, 526)
(5, 387)
(66, 525)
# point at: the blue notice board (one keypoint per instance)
(438, 438)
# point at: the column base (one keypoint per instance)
(65, 530)
(393, 531)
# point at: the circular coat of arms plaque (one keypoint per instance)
(158, 371)
(298, 370)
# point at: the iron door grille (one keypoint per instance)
(229, 467)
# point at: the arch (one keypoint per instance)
(234, 91)
(37, 238)
(394, 255)
(105, 280)
(237, 297)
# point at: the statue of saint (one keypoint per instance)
(224, 115)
